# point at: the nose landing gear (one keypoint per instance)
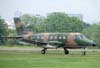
(84, 51)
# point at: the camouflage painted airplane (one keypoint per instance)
(52, 40)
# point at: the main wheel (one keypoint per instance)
(66, 51)
(43, 51)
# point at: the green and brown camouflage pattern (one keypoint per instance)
(19, 26)
(63, 39)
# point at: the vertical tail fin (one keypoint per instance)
(19, 26)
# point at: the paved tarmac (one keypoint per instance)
(38, 49)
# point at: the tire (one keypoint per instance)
(43, 51)
(66, 51)
(83, 53)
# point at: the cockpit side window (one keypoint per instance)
(80, 36)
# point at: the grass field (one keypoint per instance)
(53, 59)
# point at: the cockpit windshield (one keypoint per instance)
(80, 37)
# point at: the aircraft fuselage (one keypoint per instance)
(69, 40)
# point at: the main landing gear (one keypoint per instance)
(66, 51)
(43, 51)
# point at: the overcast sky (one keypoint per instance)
(89, 8)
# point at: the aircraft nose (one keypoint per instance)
(92, 43)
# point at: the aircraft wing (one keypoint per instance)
(1, 37)
(24, 40)
(10, 37)
(40, 43)
(55, 42)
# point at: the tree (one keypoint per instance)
(61, 22)
(12, 33)
(54, 22)
(3, 30)
(33, 22)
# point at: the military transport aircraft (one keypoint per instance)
(51, 40)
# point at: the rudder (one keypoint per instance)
(19, 26)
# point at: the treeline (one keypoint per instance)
(3, 31)
(55, 22)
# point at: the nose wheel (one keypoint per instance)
(84, 51)
(43, 51)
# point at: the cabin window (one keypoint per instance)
(60, 37)
(51, 37)
(55, 37)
